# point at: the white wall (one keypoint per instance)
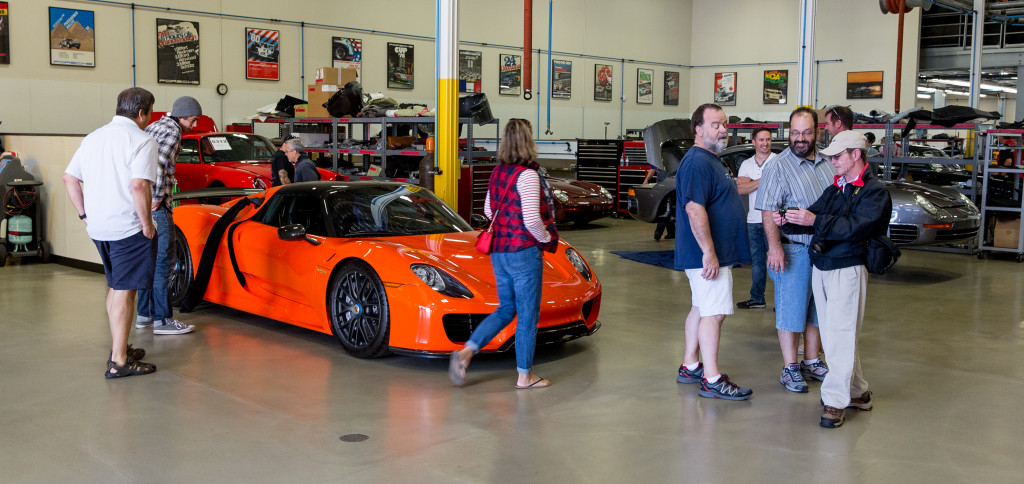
(40, 98)
(768, 33)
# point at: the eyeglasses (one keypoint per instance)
(834, 113)
(836, 156)
(802, 134)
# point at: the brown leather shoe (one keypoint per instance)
(832, 417)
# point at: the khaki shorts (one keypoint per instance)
(714, 297)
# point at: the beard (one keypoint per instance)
(712, 144)
(802, 148)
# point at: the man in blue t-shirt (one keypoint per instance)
(710, 239)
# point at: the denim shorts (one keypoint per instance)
(794, 305)
(128, 263)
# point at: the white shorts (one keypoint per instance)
(714, 297)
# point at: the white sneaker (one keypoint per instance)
(143, 322)
(173, 327)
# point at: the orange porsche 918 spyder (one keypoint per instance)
(384, 266)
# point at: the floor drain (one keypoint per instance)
(354, 437)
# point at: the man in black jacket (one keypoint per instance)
(305, 169)
(854, 209)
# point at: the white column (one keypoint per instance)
(939, 100)
(977, 41)
(1019, 112)
(806, 94)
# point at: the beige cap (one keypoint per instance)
(845, 140)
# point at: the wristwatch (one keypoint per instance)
(81, 217)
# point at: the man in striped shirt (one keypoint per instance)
(794, 179)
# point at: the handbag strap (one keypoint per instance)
(494, 210)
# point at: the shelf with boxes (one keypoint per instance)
(1001, 200)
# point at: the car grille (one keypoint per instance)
(458, 328)
(951, 235)
(903, 234)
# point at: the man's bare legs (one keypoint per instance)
(120, 308)
(702, 337)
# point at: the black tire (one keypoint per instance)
(181, 273)
(982, 255)
(44, 251)
(358, 309)
(3, 254)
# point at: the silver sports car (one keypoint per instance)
(921, 214)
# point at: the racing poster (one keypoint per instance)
(602, 82)
(725, 88)
(400, 65)
(5, 35)
(645, 86)
(262, 54)
(671, 88)
(561, 79)
(177, 51)
(470, 71)
(510, 74)
(776, 83)
(72, 37)
(347, 53)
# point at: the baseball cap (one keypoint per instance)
(845, 140)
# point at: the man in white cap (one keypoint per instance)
(854, 209)
(154, 306)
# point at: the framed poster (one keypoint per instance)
(602, 82)
(776, 84)
(645, 86)
(470, 71)
(864, 85)
(725, 88)
(561, 79)
(177, 51)
(671, 88)
(347, 53)
(262, 54)
(5, 34)
(72, 37)
(510, 74)
(400, 65)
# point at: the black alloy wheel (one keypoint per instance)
(358, 308)
(181, 272)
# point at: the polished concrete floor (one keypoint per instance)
(246, 399)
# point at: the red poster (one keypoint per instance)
(262, 54)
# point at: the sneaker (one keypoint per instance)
(750, 304)
(832, 417)
(862, 402)
(687, 376)
(814, 371)
(724, 389)
(792, 379)
(143, 322)
(173, 327)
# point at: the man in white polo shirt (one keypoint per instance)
(109, 181)
(747, 182)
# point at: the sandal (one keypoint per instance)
(130, 368)
(136, 353)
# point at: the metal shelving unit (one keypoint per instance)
(1017, 175)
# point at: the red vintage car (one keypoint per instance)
(579, 201)
(213, 159)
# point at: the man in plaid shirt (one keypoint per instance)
(154, 305)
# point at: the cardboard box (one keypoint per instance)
(335, 75)
(316, 96)
(302, 110)
(1006, 233)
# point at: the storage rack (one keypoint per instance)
(736, 128)
(992, 144)
(600, 161)
(344, 128)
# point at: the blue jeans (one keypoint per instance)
(156, 303)
(794, 306)
(758, 261)
(518, 278)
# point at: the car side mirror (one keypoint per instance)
(291, 232)
(478, 221)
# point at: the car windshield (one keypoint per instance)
(388, 210)
(236, 147)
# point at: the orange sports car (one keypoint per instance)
(384, 266)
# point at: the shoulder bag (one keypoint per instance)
(485, 241)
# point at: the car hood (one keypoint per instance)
(456, 253)
(666, 141)
(261, 168)
(574, 188)
(941, 197)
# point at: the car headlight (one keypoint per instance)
(605, 193)
(925, 204)
(259, 183)
(966, 200)
(440, 281)
(560, 195)
(577, 261)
